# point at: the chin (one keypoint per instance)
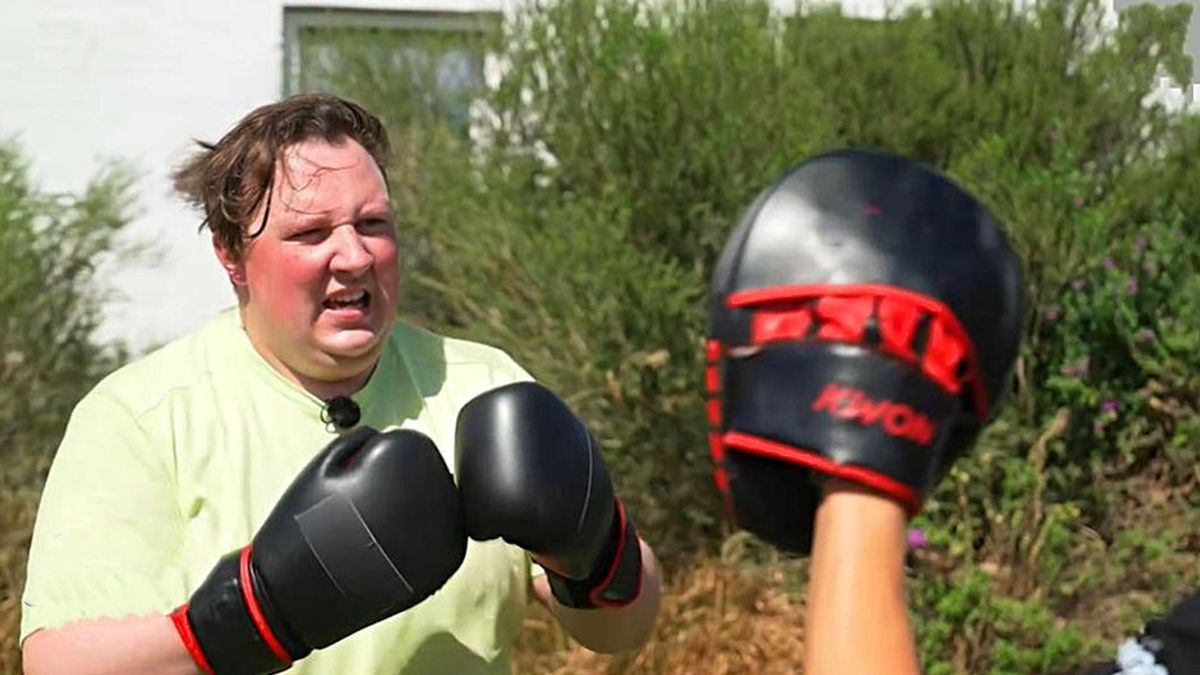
(353, 344)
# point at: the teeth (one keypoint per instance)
(340, 300)
(349, 298)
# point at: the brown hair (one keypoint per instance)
(228, 179)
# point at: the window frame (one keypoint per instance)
(299, 18)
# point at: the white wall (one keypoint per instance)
(82, 81)
(85, 81)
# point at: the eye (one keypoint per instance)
(309, 235)
(375, 225)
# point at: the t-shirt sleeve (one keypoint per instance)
(506, 370)
(108, 528)
(536, 570)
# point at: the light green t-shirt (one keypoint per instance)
(177, 458)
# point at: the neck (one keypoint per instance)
(326, 386)
(327, 389)
(323, 381)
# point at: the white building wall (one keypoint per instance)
(84, 81)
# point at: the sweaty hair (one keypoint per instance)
(228, 179)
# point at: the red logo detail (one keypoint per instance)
(897, 419)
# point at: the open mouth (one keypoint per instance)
(357, 300)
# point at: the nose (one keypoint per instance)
(350, 252)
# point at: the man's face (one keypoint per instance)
(318, 286)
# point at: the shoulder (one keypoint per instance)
(448, 372)
(183, 363)
(457, 356)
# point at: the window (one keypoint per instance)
(411, 67)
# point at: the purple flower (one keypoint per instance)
(1053, 314)
(1140, 244)
(1109, 264)
(1145, 335)
(1109, 406)
(1077, 285)
(1079, 202)
(917, 539)
(1098, 427)
(1131, 286)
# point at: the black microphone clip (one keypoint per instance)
(340, 412)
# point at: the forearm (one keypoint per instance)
(857, 620)
(611, 630)
(147, 644)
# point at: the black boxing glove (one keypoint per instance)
(864, 318)
(530, 473)
(372, 526)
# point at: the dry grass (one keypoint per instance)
(717, 618)
(17, 510)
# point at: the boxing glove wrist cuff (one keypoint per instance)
(190, 643)
(224, 625)
(616, 580)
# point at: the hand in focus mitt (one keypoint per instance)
(865, 316)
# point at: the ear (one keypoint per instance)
(233, 266)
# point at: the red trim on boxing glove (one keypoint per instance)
(763, 447)
(256, 613)
(190, 643)
(596, 594)
(843, 311)
(621, 557)
(712, 384)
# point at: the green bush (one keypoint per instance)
(624, 137)
(51, 299)
(50, 307)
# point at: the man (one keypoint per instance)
(191, 521)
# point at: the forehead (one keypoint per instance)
(318, 176)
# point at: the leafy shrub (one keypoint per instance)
(50, 306)
(626, 138)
